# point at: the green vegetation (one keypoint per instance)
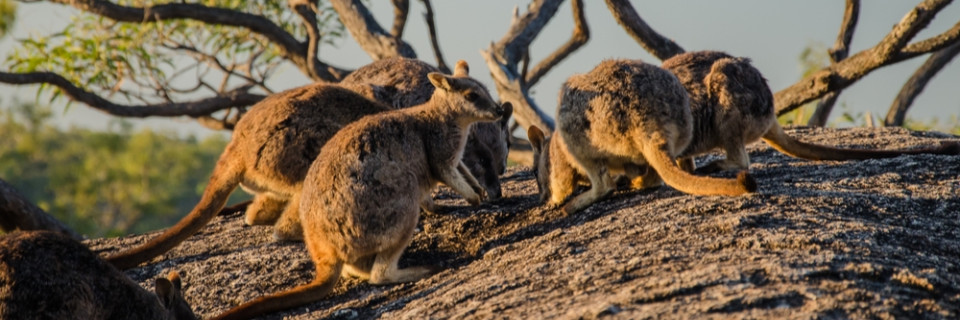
(8, 11)
(104, 183)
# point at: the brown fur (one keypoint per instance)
(622, 115)
(732, 106)
(47, 275)
(360, 200)
(403, 83)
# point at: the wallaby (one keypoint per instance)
(732, 106)
(360, 201)
(620, 116)
(48, 275)
(403, 83)
(269, 153)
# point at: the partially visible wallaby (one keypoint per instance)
(361, 198)
(47, 275)
(620, 116)
(268, 155)
(403, 83)
(732, 106)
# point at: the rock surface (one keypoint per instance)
(830, 239)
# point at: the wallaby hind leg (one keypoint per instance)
(649, 179)
(385, 270)
(359, 268)
(737, 158)
(288, 226)
(601, 185)
(264, 210)
(687, 164)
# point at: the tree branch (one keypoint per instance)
(581, 34)
(368, 34)
(18, 213)
(840, 50)
(504, 56)
(890, 50)
(434, 42)
(658, 45)
(291, 48)
(238, 97)
(917, 82)
(400, 9)
(307, 10)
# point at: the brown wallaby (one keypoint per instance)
(47, 275)
(403, 83)
(732, 106)
(269, 153)
(360, 200)
(620, 116)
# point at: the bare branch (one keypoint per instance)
(18, 213)
(658, 45)
(890, 50)
(400, 9)
(291, 48)
(581, 33)
(238, 97)
(917, 82)
(434, 42)
(840, 50)
(368, 34)
(504, 56)
(307, 10)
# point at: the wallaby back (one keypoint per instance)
(627, 113)
(47, 275)
(732, 106)
(361, 197)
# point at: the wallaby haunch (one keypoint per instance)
(361, 198)
(621, 116)
(47, 275)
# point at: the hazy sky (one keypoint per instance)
(772, 33)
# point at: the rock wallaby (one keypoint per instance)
(621, 116)
(47, 275)
(361, 197)
(732, 106)
(269, 153)
(403, 83)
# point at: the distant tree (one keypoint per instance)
(8, 13)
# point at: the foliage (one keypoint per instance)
(104, 183)
(8, 10)
(160, 61)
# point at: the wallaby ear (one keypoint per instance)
(174, 278)
(507, 112)
(536, 138)
(166, 291)
(440, 81)
(462, 69)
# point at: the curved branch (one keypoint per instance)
(434, 42)
(291, 48)
(368, 34)
(840, 50)
(400, 9)
(238, 97)
(581, 34)
(307, 11)
(514, 45)
(890, 50)
(658, 45)
(917, 82)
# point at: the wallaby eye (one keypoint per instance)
(472, 96)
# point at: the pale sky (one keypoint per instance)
(771, 33)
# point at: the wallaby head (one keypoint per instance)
(360, 201)
(621, 116)
(46, 275)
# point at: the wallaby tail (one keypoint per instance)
(328, 274)
(226, 177)
(674, 176)
(779, 140)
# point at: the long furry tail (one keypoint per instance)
(681, 180)
(779, 140)
(226, 177)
